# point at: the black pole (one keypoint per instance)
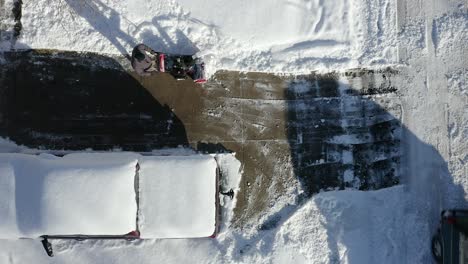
(47, 246)
(229, 193)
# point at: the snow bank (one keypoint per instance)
(177, 197)
(354, 226)
(230, 170)
(77, 194)
(275, 36)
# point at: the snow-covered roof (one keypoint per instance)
(177, 197)
(72, 195)
(94, 194)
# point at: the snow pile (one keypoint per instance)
(70, 195)
(356, 227)
(230, 176)
(281, 36)
(177, 197)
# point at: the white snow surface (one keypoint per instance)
(94, 194)
(177, 197)
(77, 194)
(280, 36)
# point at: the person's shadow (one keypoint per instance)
(105, 20)
(160, 40)
(9, 35)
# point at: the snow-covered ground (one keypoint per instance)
(427, 39)
(284, 36)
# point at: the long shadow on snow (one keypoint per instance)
(9, 32)
(27, 210)
(162, 41)
(107, 21)
(342, 137)
(345, 137)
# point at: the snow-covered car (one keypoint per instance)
(107, 196)
(450, 243)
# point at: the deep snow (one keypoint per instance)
(285, 36)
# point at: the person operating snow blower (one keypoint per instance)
(145, 60)
(142, 63)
